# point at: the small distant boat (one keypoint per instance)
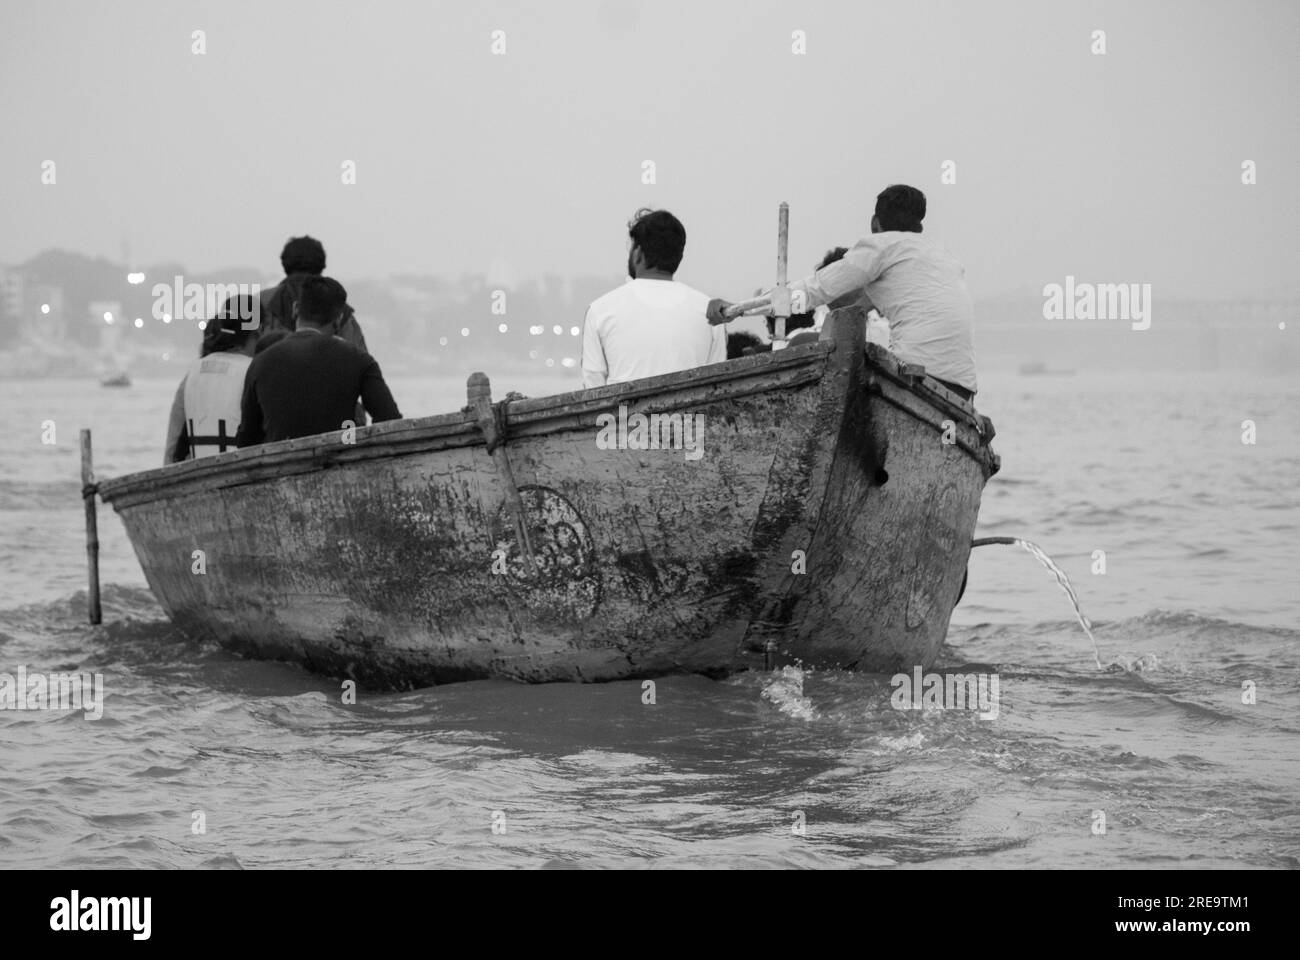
(828, 521)
(121, 379)
(1037, 368)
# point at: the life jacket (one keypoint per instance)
(214, 387)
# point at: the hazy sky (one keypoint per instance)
(1117, 168)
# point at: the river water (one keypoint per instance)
(1197, 600)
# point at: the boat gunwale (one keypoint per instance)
(380, 438)
(398, 437)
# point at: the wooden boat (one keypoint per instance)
(828, 521)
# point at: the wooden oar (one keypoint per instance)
(479, 391)
(747, 308)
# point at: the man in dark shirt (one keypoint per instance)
(308, 383)
(303, 257)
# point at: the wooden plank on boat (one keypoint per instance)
(480, 405)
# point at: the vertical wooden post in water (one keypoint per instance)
(88, 493)
(479, 391)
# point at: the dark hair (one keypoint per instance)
(303, 255)
(320, 301)
(270, 339)
(661, 237)
(742, 343)
(900, 207)
(833, 255)
(800, 321)
(226, 330)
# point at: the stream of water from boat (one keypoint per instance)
(1039, 554)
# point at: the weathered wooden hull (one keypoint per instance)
(828, 520)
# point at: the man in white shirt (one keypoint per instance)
(916, 284)
(651, 324)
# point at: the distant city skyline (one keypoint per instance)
(452, 324)
(1285, 291)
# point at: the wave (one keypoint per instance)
(1160, 623)
(118, 602)
(785, 690)
(1156, 622)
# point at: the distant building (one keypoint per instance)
(11, 292)
(43, 313)
(31, 311)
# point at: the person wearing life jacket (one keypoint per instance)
(303, 257)
(205, 415)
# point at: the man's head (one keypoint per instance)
(742, 343)
(320, 303)
(899, 207)
(303, 255)
(658, 240)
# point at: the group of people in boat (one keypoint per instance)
(914, 291)
(303, 368)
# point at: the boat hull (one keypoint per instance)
(825, 519)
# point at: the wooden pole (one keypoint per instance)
(479, 391)
(781, 295)
(776, 303)
(88, 493)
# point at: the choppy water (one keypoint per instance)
(1198, 595)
